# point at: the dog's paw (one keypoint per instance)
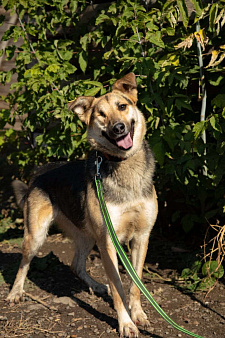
(140, 318)
(99, 289)
(15, 296)
(128, 330)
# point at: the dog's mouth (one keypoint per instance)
(124, 142)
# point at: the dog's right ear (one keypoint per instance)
(128, 86)
(81, 106)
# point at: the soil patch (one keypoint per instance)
(57, 304)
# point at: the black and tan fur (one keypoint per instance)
(66, 194)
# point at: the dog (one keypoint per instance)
(66, 194)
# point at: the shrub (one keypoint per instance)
(76, 53)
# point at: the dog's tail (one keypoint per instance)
(20, 190)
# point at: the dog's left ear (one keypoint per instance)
(81, 106)
(128, 86)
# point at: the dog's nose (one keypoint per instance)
(119, 128)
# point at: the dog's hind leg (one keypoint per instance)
(38, 214)
(83, 245)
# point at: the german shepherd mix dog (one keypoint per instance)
(66, 194)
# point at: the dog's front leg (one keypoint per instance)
(139, 247)
(109, 258)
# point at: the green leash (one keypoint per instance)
(124, 259)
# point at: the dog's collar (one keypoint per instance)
(112, 158)
(100, 157)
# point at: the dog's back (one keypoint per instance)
(62, 183)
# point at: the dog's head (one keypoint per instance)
(115, 125)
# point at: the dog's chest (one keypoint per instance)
(128, 218)
(128, 185)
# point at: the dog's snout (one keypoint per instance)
(119, 128)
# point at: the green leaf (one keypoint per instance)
(52, 68)
(73, 5)
(198, 7)
(9, 76)
(83, 61)
(10, 52)
(2, 140)
(206, 284)
(92, 92)
(159, 152)
(183, 12)
(170, 137)
(93, 83)
(182, 104)
(65, 54)
(186, 273)
(9, 132)
(35, 86)
(189, 220)
(214, 123)
(219, 101)
(219, 273)
(155, 38)
(217, 81)
(69, 68)
(187, 223)
(84, 40)
(101, 18)
(211, 268)
(213, 16)
(196, 266)
(199, 128)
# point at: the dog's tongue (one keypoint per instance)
(125, 141)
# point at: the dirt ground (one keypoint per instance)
(57, 304)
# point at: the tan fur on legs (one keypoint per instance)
(109, 258)
(139, 246)
(38, 214)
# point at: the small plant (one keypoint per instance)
(201, 276)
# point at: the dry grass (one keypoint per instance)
(214, 249)
(217, 244)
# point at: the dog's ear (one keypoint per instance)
(81, 106)
(127, 85)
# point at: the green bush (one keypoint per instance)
(76, 53)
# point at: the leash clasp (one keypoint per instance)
(98, 163)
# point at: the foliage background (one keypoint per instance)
(81, 48)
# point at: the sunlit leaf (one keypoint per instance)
(213, 16)
(199, 128)
(214, 56)
(183, 11)
(83, 61)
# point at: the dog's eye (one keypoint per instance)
(122, 107)
(102, 113)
